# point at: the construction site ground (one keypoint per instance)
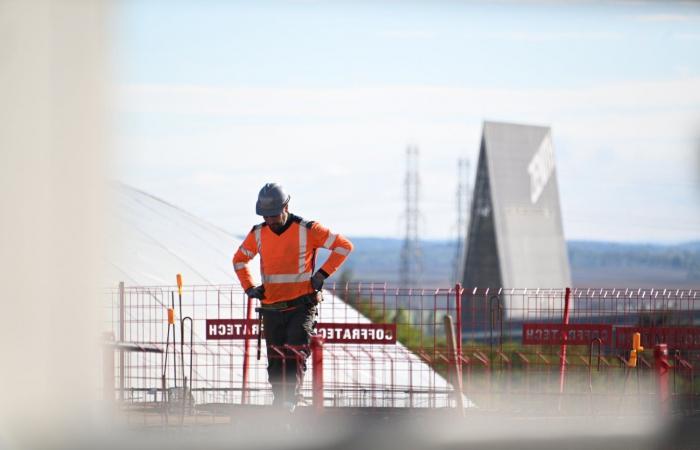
(227, 426)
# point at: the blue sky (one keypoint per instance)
(216, 98)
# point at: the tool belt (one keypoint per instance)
(289, 305)
(279, 307)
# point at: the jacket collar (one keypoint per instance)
(290, 219)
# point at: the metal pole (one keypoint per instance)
(188, 387)
(249, 320)
(172, 303)
(317, 381)
(458, 309)
(662, 367)
(121, 340)
(182, 332)
(452, 351)
(458, 312)
(565, 322)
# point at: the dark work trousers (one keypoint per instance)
(285, 368)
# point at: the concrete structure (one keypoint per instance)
(515, 237)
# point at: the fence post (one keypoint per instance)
(458, 309)
(317, 380)
(246, 350)
(453, 357)
(662, 367)
(122, 327)
(565, 322)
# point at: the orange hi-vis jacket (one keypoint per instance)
(287, 260)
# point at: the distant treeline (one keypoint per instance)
(685, 257)
(377, 259)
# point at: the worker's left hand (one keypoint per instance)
(256, 292)
(317, 281)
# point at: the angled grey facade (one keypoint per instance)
(515, 237)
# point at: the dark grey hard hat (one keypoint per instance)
(271, 200)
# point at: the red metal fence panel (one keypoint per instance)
(386, 347)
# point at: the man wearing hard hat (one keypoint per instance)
(287, 247)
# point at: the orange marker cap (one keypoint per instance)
(637, 342)
(171, 316)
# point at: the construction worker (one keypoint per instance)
(290, 288)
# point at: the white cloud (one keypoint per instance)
(209, 179)
(407, 100)
(557, 36)
(408, 34)
(666, 17)
(687, 36)
(341, 150)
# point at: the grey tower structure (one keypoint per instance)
(515, 237)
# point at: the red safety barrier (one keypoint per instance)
(317, 362)
(246, 351)
(516, 349)
(662, 367)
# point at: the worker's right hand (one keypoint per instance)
(256, 292)
(317, 281)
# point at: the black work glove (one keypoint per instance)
(317, 281)
(256, 292)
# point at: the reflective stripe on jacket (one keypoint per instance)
(287, 260)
